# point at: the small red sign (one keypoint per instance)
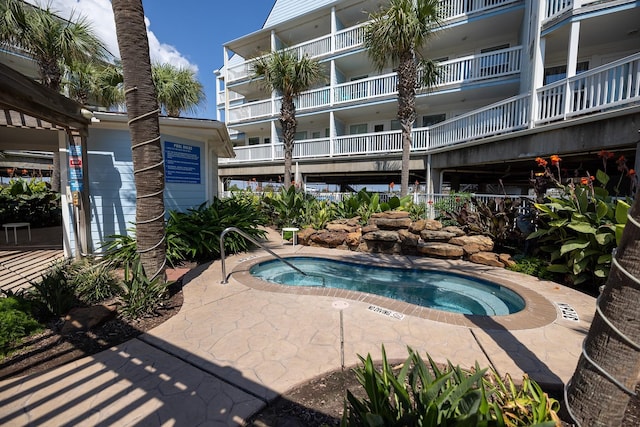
(75, 163)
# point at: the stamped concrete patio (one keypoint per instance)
(233, 347)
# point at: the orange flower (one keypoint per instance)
(541, 162)
(555, 159)
(392, 184)
(584, 181)
(605, 154)
(631, 173)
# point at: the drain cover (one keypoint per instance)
(568, 312)
(340, 305)
(386, 312)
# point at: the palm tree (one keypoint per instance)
(54, 43)
(396, 34)
(284, 73)
(594, 399)
(178, 89)
(142, 110)
(95, 83)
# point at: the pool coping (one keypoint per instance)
(538, 310)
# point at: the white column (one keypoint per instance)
(65, 196)
(274, 139)
(226, 81)
(332, 132)
(334, 26)
(572, 62)
(537, 61)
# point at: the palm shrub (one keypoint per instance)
(363, 204)
(195, 235)
(318, 213)
(421, 394)
(140, 295)
(287, 207)
(580, 228)
(93, 282)
(54, 292)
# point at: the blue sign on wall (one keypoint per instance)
(181, 163)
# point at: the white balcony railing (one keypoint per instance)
(556, 7)
(473, 68)
(609, 87)
(353, 37)
(613, 85)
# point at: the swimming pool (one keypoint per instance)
(428, 288)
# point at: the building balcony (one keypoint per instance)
(614, 86)
(353, 37)
(468, 69)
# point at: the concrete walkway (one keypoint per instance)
(234, 347)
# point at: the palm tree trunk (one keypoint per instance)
(142, 110)
(289, 124)
(407, 77)
(594, 399)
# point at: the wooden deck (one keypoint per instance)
(28, 260)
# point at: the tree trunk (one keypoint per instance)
(142, 110)
(289, 124)
(407, 81)
(593, 399)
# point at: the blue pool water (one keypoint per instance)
(429, 288)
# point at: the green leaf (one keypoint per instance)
(622, 208)
(602, 209)
(559, 222)
(602, 177)
(572, 245)
(582, 227)
(558, 268)
(604, 238)
(604, 259)
(619, 230)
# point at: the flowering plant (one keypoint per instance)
(580, 228)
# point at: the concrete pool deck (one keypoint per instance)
(234, 347)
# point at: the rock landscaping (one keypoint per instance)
(393, 232)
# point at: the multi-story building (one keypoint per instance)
(520, 79)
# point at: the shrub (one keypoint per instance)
(531, 265)
(140, 295)
(30, 201)
(579, 229)
(92, 282)
(287, 207)
(54, 292)
(417, 394)
(16, 322)
(194, 235)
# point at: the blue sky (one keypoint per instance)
(188, 33)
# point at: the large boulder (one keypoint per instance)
(353, 239)
(432, 224)
(329, 239)
(436, 236)
(382, 235)
(440, 249)
(506, 260)
(304, 236)
(486, 258)
(343, 225)
(484, 243)
(86, 318)
(455, 230)
(390, 215)
(380, 247)
(369, 228)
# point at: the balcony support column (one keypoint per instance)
(334, 26)
(332, 133)
(572, 63)
(537, 45)
(274, 139)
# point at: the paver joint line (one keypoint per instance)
(200, 368)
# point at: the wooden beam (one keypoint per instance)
(24, 95)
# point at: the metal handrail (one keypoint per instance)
(255, 242)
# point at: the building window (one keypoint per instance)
(267, 140)
(299, 136)
(378, 128)
(315, 135)
(395, 124)
(356, 129)
(553, 74)
(254, 140)
(433, 119)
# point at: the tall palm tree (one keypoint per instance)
(142, 110)
(95, 83)
(396, 34)
(282, 72)
(54, 43)
(593, 398)
(178, 89)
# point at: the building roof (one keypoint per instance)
(284, 10)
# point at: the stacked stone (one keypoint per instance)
(393, 232)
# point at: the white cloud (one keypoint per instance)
(100, 13)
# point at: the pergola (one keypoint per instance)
(33, 117)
